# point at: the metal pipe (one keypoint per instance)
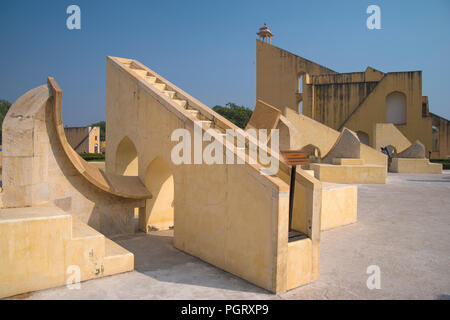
(291, 195)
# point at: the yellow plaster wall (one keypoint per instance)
(32, 257)
(443, 126)
(43, 247)
(373, 108)
(126, 161)
(404, 165)
(158, 211)
(277, 75)
(339, 205)
(349, 173)
(299, 266)
(323, 137)
(312, 132)
(354, 100)
(264, 116)
(94, 140)
(331, 104)
(75, 136)
(386, 134)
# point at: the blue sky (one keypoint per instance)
(208, 47)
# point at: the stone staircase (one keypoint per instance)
(299, 257)
(206, 117)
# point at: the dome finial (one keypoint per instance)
(265, 34)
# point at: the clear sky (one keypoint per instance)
(208, 47)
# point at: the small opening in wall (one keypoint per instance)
(300, 84)
(435, 138)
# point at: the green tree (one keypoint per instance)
(102, 125)
(4, 107)
(239, 115)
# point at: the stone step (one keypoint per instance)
(180, 102)
(82, 230)
(349, 173)
(150, 79)
(160, 86)
(117, 259)
(206, 124)
(169, 93)
(193, 112)
(86, 250)
(348, 161)
(142, 73)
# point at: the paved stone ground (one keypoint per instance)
(403, 227)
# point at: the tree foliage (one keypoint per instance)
(4, 107)
(239, 115)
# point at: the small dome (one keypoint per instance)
(264, 31)
(264, 28)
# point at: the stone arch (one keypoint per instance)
(396, 108)
(126, 160)
(363, 137)
(313, 152)
(158, 213)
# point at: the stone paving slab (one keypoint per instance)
(403, 227)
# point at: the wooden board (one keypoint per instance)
(295, 157)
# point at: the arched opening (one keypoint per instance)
(158, 213)
(396, 108)
(126, 164)
(313, 153)
(363, 137)
(126, 158)
(300, 107)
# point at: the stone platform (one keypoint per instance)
(408, 165)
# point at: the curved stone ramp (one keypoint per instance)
(122, 186)
(54, 204)
(414, 151)
(39, 166)
(339, 202)
(347, 145)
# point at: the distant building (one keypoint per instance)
(356, 100)
(84, 139)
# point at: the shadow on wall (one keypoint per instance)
(363, 137)
(127, 164)
(126, 161)
(158, 213)
(156, 257)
